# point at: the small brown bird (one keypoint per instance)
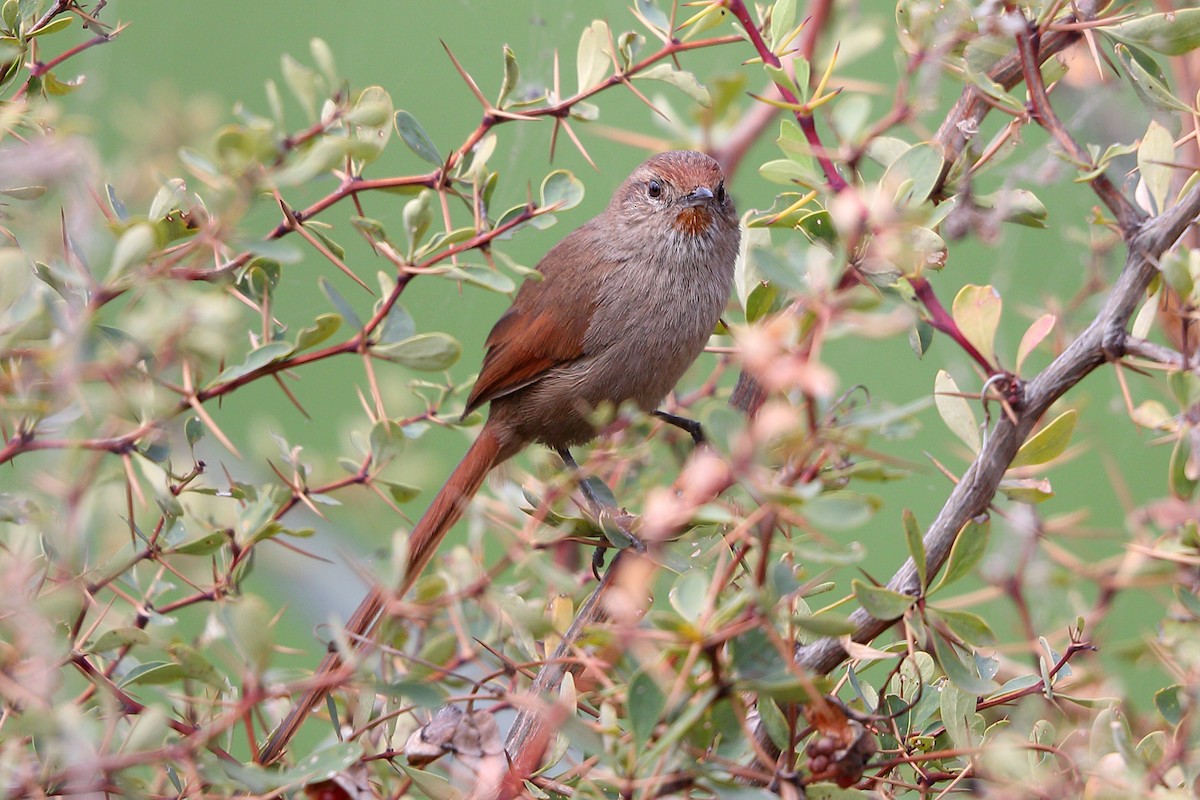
(625, 305)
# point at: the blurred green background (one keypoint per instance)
(179, 71)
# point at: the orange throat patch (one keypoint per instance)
(693, 221)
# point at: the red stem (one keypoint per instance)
(807, 124)
(941, 320)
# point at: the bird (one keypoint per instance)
(623, 305)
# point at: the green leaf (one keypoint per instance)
(957, 708)
(431, 785)
(1019, 206)
(783, 20)
(645, 703)
(955, 411)
(921, 337)
(1169, 702)
(54, 26)
(418, 216)
(1048, 443)
(1181, 472)
(416, 138)
(790, 171)
(425, 351)
(976, 311)
(561, 190)
(512, 76)
(116, 638)
(592, 60)
(134, 246)
(761, 301)
(324, 326)
(961, 672)
(154, 673)
(11, 14)
(1027, 490)
(193, 430)
(652, 16)
(916, 545)
(446, 239)
(971, 628)
(400, 492)
(1172, 34)
(340, 303)
(880, 602)
(1155, 158)
(483, 277)
(689, 594)
(195, 665)
(386, 440)
(967, 551)
(302, 81)
(209, 543)
(912, 176)
(817, 226)
(257, 359)
(397, 326)
(775, 722)
(323, 57)
(1148, 81)
(682, 80)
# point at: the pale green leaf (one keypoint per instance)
(1173, 34)
(682, 80)
(416, 138)
(976, 312)
(956, 411)
(562, 190)
(1048, 443)
(880, 602)
(1155, 157)
(916, 545)
(593, 60)
(967, 551)
(425, 351)
(912, 176)
(134, 246)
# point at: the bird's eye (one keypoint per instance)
(721, 192)
(654, 189)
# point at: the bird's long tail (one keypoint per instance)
(446, 509)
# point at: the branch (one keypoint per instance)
(753, 124)
(1102, 340)
(806, 122)
(1028, 48)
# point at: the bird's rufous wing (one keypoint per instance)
(540, 331)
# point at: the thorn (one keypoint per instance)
(579, 144)
(474, 87)
(643, 98)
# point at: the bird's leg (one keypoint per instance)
(693, 427)
(598, 505)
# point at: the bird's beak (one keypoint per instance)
(698, 197)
